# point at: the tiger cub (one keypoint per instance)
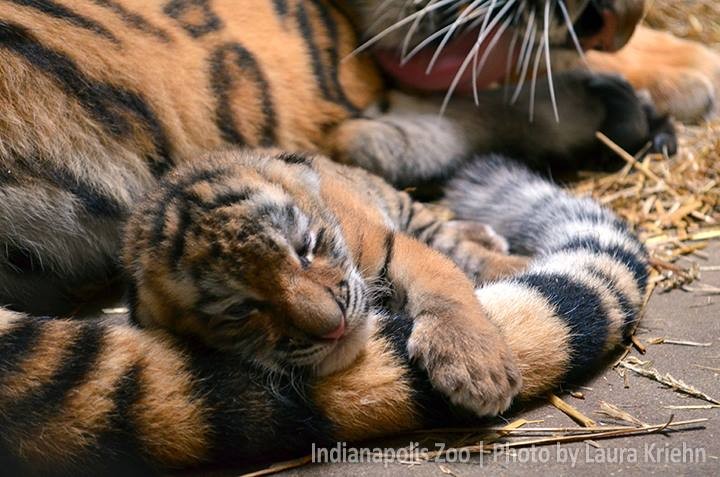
(104, 395)
(308, 249)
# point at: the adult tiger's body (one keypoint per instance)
(99, 98)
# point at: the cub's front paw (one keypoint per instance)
(477, 250)
(472, 368)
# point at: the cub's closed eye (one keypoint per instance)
(307, 251)
(239, 311)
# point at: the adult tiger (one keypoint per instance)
(100, 98)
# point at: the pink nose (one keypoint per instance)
(337, 333)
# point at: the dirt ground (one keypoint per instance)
(677, 315)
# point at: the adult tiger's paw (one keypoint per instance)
(471, 366)
(631, 120)
(682, 77)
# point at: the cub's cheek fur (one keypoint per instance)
(349, 347)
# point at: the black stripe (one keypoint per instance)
(121, 435)
(61, 12)
(636, 265)
(175, 190)
(295, 158)
(407, 212)
(48, 399)
(389, 250)
(178, 246)
(423, 228)
(627, 309)
(582, 310)
(131, 298)
(308, 35)
(334, 56)
(222, 84)
(17, 344)
(396, 330)
(185, 13)
(93, 200)
(107, 104)
(228, 199)
(247, 418)
(281, 8)
(133, 19)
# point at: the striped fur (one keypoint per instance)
(281, 259)
(168, 402)
(100, 99)
(586, 282)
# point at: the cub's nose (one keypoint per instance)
(337, 333)
(313, 309)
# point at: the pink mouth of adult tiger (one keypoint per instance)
(415, 74)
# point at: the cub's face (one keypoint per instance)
(250, 261)
(443, 45)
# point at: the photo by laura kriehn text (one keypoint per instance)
(571, 455)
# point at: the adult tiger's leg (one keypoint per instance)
(59, 233)
(410, 141)
(682, 77)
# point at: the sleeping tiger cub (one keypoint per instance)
(99, 99)
(307, 250)
(294, 267)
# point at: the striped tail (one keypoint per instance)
(585, 286)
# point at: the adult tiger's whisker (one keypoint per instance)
(477, 66)
(482, 36)
(395, 26)
(419, 47)
(413, 28)
(527, 55)
(533, 82)
(454, 26)
(548, 62)
(511, 50)
(571, 30)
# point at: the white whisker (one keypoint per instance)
(435, 35)
(533, 83)
(573, 33)
(482, 36)
(511, 51)
(527, 55)
(478, 66)
(548, 62)
(395, 26)
(411, 31)
(527, 37)
(453, 27)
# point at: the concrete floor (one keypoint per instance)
(676, 315)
